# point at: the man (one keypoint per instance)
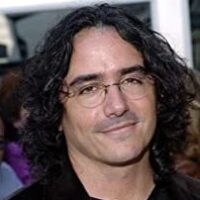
(107, 108)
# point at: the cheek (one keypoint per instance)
(78, 118)
(149, 105)
(149, 109)
(146, 109)
(149, 113)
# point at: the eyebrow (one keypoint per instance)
(133, 69)
(98, 76)
(85, 78)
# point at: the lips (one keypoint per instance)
(119, 127)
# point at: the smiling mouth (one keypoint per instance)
(119, 127)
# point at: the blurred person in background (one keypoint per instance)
(187, 160)
(14, 118)
(9, 181)
(107, 106)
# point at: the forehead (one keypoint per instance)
(101, 50)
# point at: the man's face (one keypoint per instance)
(118, 130)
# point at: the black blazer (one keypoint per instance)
(69, 187)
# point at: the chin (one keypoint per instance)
(124, 159)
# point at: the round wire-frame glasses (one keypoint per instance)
(93, 94)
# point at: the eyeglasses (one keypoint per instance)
(92, 94)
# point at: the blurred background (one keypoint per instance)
(23, 24)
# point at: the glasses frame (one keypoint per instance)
(75, 93)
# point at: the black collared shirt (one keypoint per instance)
(158, 193)
(69, 187)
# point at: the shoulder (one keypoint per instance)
(185, 181)
(185, 186)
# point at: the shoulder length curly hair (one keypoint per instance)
(44, 73)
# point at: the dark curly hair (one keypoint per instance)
(43, 75)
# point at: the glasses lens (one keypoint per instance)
(134, 87)
(92, 97)
(134, 91)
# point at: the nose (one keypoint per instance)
(115, 104)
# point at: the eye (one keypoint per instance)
(132, 81)
(89, 89)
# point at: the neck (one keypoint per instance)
(128, 182)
